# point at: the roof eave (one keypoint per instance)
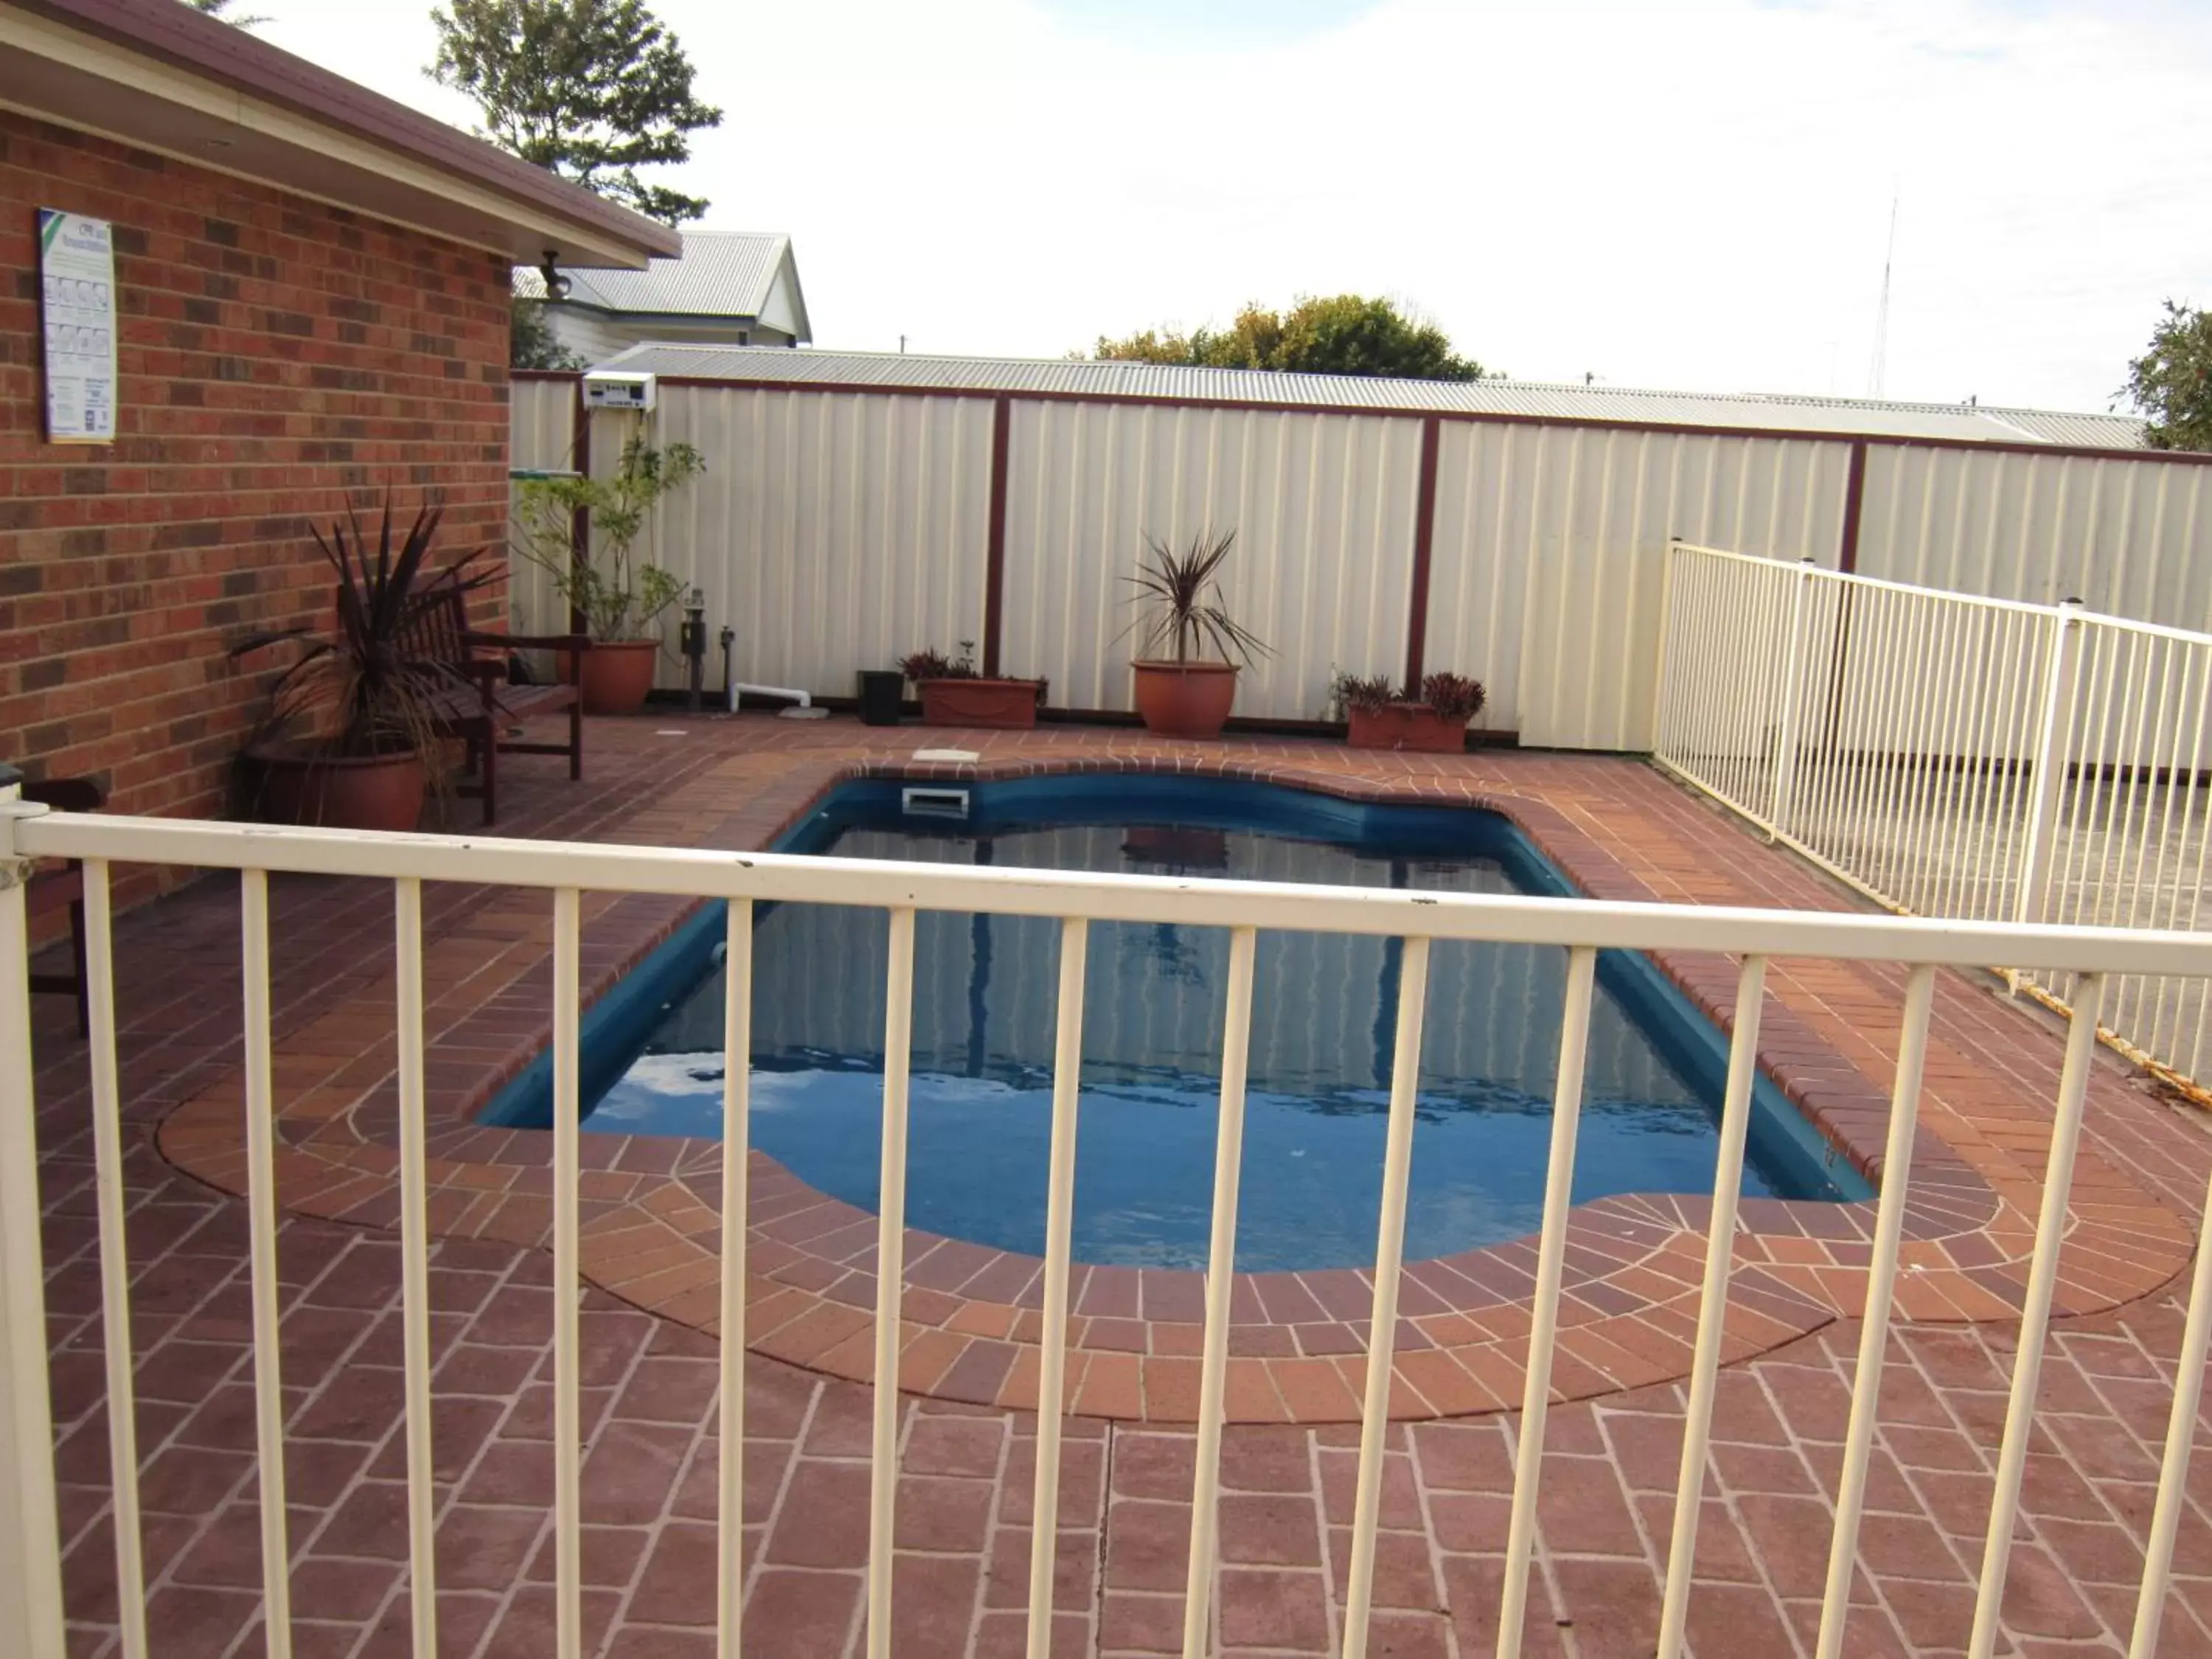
(160, 76)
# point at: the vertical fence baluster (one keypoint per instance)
(30, 1540)
(1383, 1323)
(567, 1287)
(1544, 1328)
(415, 1269)
(1874, 1332)
(2035, 1313)
(2053, 755)
(1788, 739)
(114, 1261)
(261, 1209)
(1220, 1265)
(737, 1152)
(1058, 1233)
(2173, 1465)
(1712, 1303)
(891, 1269)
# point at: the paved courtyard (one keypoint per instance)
(964, 1525)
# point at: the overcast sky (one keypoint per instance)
(1690, 194)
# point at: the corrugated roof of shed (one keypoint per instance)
(721, 273)
(1530, 399)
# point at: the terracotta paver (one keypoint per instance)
(963, 1521)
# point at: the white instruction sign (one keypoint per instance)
(76, 295)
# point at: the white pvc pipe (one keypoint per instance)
(1712, 1306)
(1221, 1265)
(736, 1151)
(790, 694)
(415, 1269)
(2035, 1314)
(1873, 1331)
(891, 1270)
(1058, 1233)
(1544, 1328)
(568, 1286)
(261, 1214)
(1382, 1322)
(114, 1264)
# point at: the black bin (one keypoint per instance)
(881, 690)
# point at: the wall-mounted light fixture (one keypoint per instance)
(556, 285)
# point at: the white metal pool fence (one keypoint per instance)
(30, 1567)
(1952, 756)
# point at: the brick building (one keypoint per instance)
(312, 288)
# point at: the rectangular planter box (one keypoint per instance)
(1406, 726)
(1011, 705)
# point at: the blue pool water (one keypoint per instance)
(1321, 1049)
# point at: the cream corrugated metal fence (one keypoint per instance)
(1323, 510)
(1545, 572)
(837, 530)
(2132, 537)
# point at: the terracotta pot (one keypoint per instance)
(617, 674)
(371, 792)
(1406, 726)
(1185, 699)
(1009, 704)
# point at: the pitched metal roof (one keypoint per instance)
(1530, 399)
(720, 274)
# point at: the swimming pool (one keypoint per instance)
(1321, 1047)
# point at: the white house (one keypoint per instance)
(730, 287)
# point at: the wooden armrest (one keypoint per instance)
(530, 642)
(67, 794)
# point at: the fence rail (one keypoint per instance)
(29, 1547)
(1958, 756)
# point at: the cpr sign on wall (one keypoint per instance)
(76, 298)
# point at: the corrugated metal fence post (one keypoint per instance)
(2031, 901)
(1793, 680)
(30, 1540)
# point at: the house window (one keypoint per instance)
(745, 337)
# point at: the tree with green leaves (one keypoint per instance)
(531, 341)
(221, 9)
(1344, 334)
(2170, 384)
(590, 89)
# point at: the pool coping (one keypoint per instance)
(651, 1226)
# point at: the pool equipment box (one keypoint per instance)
(612, 389)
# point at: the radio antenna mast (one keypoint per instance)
(1877, 369)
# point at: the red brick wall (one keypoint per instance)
(279, 359)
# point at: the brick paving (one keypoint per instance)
(964, 1525)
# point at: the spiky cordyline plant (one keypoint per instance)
(364, 686)
(1183, 586)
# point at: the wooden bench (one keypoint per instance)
(62, 885)
(478, 703)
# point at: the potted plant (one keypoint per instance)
(620, 598)
(1434, 720)
(351, 737)
(1180, 693)
(954, 694)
